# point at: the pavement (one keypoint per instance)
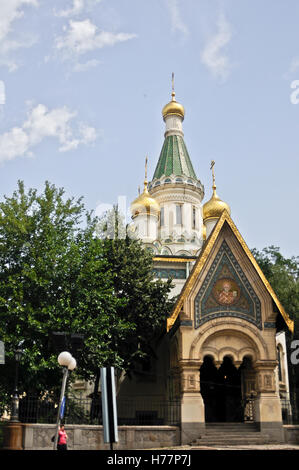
(276, 447)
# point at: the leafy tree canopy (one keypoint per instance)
(283, 275)
(57, 275)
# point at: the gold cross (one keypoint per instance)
(146, 160)
(213, 174)
(173, 92)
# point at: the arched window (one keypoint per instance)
(166, 251)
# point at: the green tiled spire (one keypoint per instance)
(174, 159)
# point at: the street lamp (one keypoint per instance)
(15, 401)
(68, 362)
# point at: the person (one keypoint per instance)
(227, 296)
(62, 439)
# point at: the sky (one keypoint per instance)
(83, 84)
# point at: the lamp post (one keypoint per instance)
(66, 360)
(13, 432)
(15, 401)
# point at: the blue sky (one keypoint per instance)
(83, 83)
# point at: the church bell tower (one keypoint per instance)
(167, 216)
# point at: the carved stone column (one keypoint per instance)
(192, 405)
(267, 409)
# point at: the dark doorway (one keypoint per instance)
(221, 391)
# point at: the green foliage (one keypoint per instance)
(37, 235)
(147, 303)
(283, 275)
(56, 275)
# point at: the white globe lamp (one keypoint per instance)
(72, 364)
(64, 359)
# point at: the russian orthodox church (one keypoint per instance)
(218, 358)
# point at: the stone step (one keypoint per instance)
(241, 442)
(231, 430)
(226, 434)
(232, 436)
(237, 425)
(232, 440)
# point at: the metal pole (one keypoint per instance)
(15, 400)
(64, 379)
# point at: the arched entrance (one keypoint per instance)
(223, 390)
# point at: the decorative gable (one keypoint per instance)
(226, 291)
(240, 291)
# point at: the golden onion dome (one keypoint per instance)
(145, 204)
(173, 107)
(214, 207)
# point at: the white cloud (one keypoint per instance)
(11, 10)
(86, 66)
(7, 47)
(83, 36)
(77, 7)
(213, 55)
(2, 92)
(42, 123)
(177, 23)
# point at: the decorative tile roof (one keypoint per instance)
(174, 159)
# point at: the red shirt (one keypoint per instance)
(62, 437)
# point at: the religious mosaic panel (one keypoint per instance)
(226, 291)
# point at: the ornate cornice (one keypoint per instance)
(177, 197)
(174, 259)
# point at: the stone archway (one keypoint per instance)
(238, 340)
(228, 353)
(234, 338)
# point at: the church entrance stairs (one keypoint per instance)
(228, 434)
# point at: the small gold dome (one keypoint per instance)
(173, 107)
(145, 204)
(214, 207)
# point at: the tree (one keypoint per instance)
(283, 275)
(147, 303)
(46, 261)
(57, 275)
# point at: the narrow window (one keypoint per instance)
(162, 217)
(194, 218)
(179, 220)
(279, 364)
